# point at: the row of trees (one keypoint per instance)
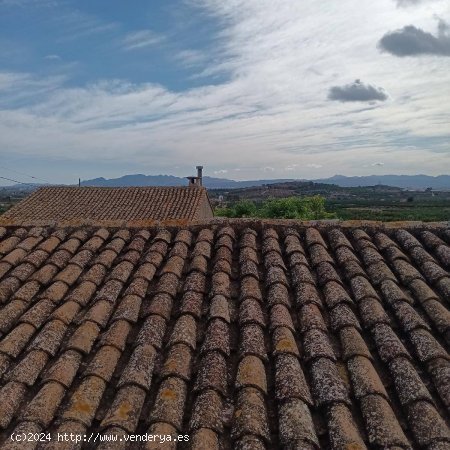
(304, 208)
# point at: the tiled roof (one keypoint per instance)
(242, 335)
(55, 204)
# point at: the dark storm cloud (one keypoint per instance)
(412, 41)
(357, 92)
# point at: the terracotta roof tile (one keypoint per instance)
(11, 396)
(10, 313)
(132, 203)
(83, 337)
(103, 363)
(427, 425)
(313, 236)
(242, 336)
(317, 345)
(185, 331)
(42, 408)
(219, 308)
(84, 402)
(251, 373)
(250, 312)
(152, 331)
(372, 313)
(191, 303)
(280, 317)
(283, 342)
(128, 309)
(426, 346)
(207, 412)
(178, 363)
(30, 429)
(162, 429)
(125, 409)
(408, 383)
(204, 438)
(327, 385)
(353, 344)
(50, 337)
(64, 369)
(343, 432)
(161, 305)
(15, 341)
(250, 415)
(290, 381)
(365, 380)
(277, 294)
(212, 373)
(28, 370)
(169, 403)
(388, 344)
(293, 246)
(68, 426)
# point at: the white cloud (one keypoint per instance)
(377, 164)
(281, 58)
(220, 172)
(190, 57)
(52, 57)
(141, 39)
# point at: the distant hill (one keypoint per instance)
(441, 182)
(170, 180)
(401, 181)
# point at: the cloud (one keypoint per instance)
(52, 57)
(314, 166)
(28, 3)
(220, 172)
(141, 39)
(357, 92)
(377, 164)
(190, 58)
(412, 41)
(267, 110)
(404, 3)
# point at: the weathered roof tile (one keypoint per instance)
(250, 415)
(277, 341)
(290, 381)
(125, 409)
(382, 427)
(169, 403)
(296, 425)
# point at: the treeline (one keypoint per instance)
(304, 208)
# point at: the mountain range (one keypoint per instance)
(441, 182)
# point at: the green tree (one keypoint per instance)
(306, 208)
(243, 208)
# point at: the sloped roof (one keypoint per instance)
(77, 204)
(242, 335)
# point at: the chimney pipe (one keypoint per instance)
(199, 175)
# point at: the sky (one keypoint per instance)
(250, 89)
